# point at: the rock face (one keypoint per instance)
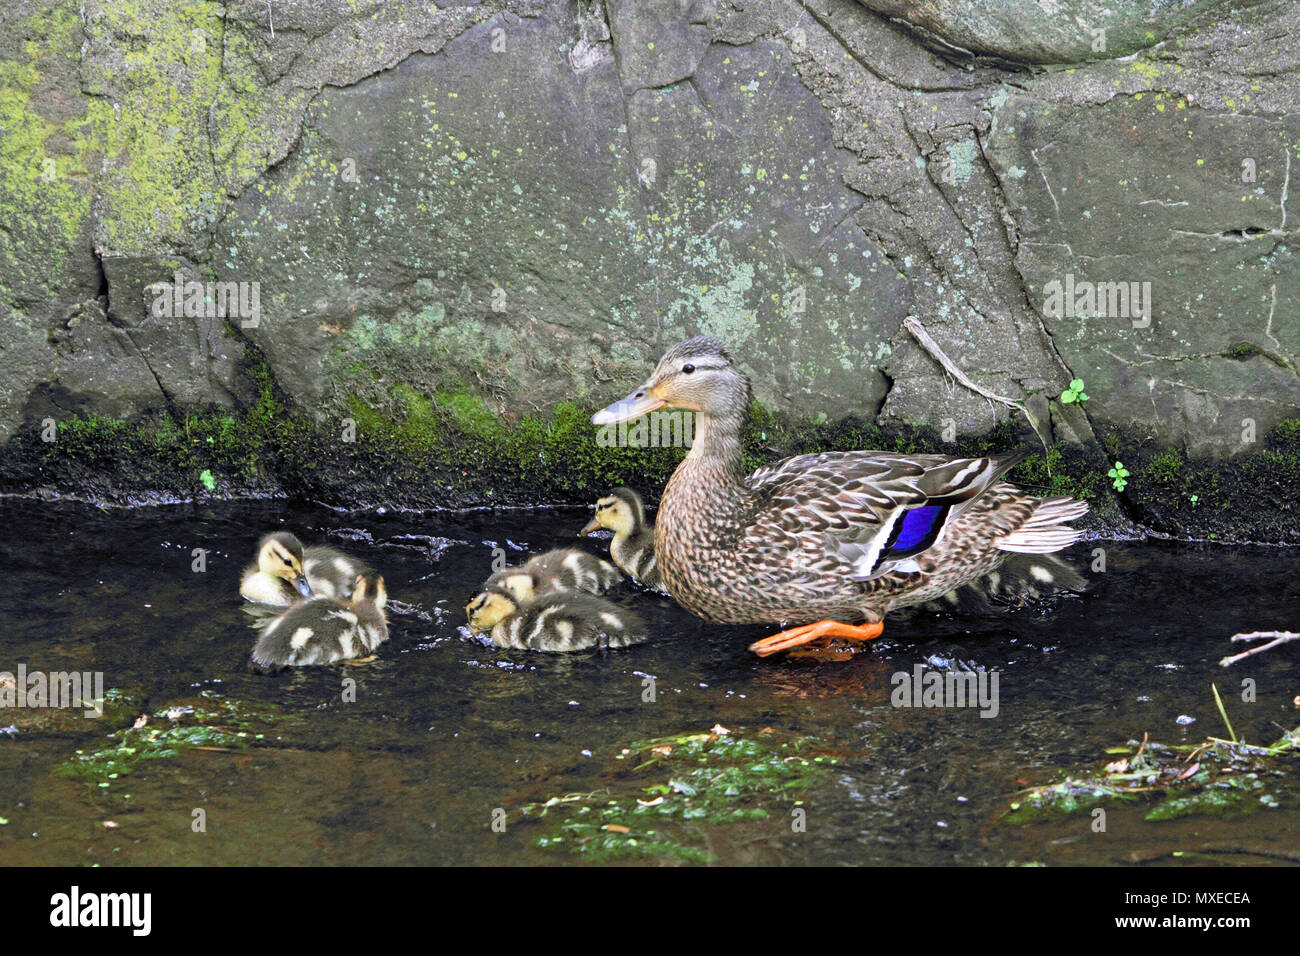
(527, 201)
(1045, 31)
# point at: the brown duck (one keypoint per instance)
(829, 542)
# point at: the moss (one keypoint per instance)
(1287, 432)
(1062, 471)
(149, 148)
(163, 454)
(1165, 469)
(1230, 797)
(668, 788)
(402, 447)
(210, 721)
(44, 202)
(1252, 496)
(1226, 779)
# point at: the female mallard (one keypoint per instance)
(826, 538)
(284, 569)
(633, 546)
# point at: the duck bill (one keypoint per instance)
(301, 584)
(641, 402)
(591, 526)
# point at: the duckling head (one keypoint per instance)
(620, 511)
(518, 583)
(280, 554)
(369, 589)
(696, 375)
(490, 606)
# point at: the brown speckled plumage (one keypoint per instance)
(809, 538)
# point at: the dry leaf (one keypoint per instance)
(719, 730)
(616, 828)
(140, 721)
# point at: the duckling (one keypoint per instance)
(285, 571)
(324, 630)
(564, 569)
(633, 547)
(559, 621)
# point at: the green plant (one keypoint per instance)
(1074, 393)
(1118, 475)
(205, 476)
(1165, 470)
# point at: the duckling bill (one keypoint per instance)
(557, 622)
(285, 571)
(325, 630)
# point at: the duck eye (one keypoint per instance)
(287, 563)
(688, 369)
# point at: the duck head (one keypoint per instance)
(620, 511)
(280, 555)
(490, 606)
(369, 589)
(697, 375)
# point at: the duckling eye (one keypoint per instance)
(287, 563)
(688, 369)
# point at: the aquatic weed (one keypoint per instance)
(669, 788)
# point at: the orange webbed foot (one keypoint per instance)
(818, 632)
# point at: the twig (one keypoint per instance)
(1278, 637)
(1218, 702)
(928, 343)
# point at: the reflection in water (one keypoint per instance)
(443, 729)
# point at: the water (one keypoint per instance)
(445, 729)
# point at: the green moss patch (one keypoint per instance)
(1253, 496)
(394, 445)
(668, 793)
(1214, 778)
(210, 722)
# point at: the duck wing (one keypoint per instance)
(867, 508)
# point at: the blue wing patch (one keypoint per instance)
(915, 531)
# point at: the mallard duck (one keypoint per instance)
(827, 539)
(285, 571)
(633, 545)
(564, 569)
(558, 621)
(324, 630)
